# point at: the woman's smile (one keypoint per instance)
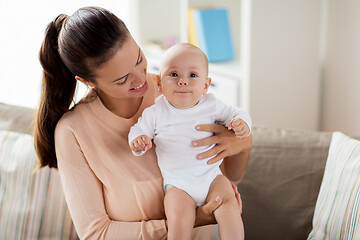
(139, 88)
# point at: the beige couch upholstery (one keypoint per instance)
(280, 186)
(281, 183)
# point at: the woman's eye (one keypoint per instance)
(193, 75)
(140, 60)
(173, 74)
(121, 82)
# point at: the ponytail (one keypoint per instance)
(73, 46)
(57, 93)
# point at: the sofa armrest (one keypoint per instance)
(281, 183)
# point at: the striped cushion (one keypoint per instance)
(337, 210)
(32, 203)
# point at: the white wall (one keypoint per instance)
(341, 96)
(285, 87)
(284, 65)
(22, 27)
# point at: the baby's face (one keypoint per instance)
(184, 76)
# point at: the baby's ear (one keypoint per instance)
(207, 85)
(158, 82)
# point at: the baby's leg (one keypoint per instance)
(228, 214)
(180, 210)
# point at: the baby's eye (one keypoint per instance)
(193, 75)
(174, 74)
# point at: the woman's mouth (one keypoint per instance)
(139, 88)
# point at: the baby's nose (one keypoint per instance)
(182, 82)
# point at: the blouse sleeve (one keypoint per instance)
(84, 196)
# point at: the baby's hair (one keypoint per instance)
(195, 47)
(182, 44)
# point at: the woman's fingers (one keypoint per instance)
(225, 141)
(217, 152)
(212, 205)
(220, 132)
(217, 158)
(210, 153)
(204, 214)
(205, 141)
(208, 127)
(237, 195)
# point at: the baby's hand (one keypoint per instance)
(141, 143)
(240, 128)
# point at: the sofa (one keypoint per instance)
(279, 189)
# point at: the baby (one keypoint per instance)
(170, 122)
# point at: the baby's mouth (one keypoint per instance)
(183, 91)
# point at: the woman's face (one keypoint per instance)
(124, 75)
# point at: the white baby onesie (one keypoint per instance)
(173, 130)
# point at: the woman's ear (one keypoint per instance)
(86, 82)
(207, 85)
(158, 82)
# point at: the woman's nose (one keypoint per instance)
(139, 74)
(182, 82)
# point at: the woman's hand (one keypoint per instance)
(226, 143)
(237, 196)
(204, 214)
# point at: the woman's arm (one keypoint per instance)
(85, 199)
(235, 151)
(234, 166)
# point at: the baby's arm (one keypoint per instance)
(234, 118)
(240, 127)
(141, 143)
(141, 134)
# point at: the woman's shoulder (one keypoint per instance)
(68, 118)
(67, 122)
(77, 114)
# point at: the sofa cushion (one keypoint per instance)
(337, 211)
(281, 182)
(32, 203)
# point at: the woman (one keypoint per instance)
(110, 193)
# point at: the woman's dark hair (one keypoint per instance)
(73, 46)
